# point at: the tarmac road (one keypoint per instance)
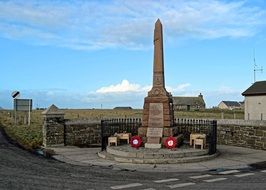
(20, 169)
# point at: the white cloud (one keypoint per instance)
(129, 24)
(181, 87)
(122, 87)
(125, 86)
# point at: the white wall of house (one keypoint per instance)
(255, 108)
(222, 105)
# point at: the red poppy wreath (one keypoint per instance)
(135, 141)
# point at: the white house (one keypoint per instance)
(255, 101)
(229, 105)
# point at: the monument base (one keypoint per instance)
(165, 105)
(167, 132)
(149, 145)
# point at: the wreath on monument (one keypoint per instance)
(135, 141)
(170, 142)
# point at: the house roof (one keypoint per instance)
(258, 88)
(232, 103)
(181, 100)
(123, 108)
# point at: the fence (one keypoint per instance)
(112, 126)
(184, 126)
(208, 127)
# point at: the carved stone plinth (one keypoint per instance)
(156, 123)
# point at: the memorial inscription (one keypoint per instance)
(154, 132)
(155, 115)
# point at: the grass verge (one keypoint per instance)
(29, 137)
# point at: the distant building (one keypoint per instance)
(189, 103)
(123, 108)
(230, 105)
(40, 108)
(242, 105)
(255, 101)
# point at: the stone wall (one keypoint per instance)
(53, 126)
(250, 134)
(58, 132)
(82, 133)
(53, 131)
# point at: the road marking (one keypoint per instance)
(166, 180)
(264, 171)
(200, 176)
(244, 175)
(126, 186)
(180, 185)
(149, 189)
(216, 179)
(229, 172)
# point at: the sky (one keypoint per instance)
(99, 53)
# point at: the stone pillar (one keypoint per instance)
(158, 115)
(53, 127)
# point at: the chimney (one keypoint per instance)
(200, 96)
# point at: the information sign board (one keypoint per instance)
(23, 105)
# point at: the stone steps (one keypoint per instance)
(162, 156)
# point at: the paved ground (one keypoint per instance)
(20, 169)
(230, 158)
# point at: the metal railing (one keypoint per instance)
(208, 127)
(183, 126)
(111, 126)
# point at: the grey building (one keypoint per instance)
(255, 101)
(189, 103)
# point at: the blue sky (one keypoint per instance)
(84, 54)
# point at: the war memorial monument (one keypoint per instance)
(158, 115)
(158, 137)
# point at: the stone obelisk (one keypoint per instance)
(158, 117)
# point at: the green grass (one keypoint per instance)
(30, 137)
(211, 114)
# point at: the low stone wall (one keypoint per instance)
(82, 133)
(58, 131)
(250, 134)
(53, 131)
